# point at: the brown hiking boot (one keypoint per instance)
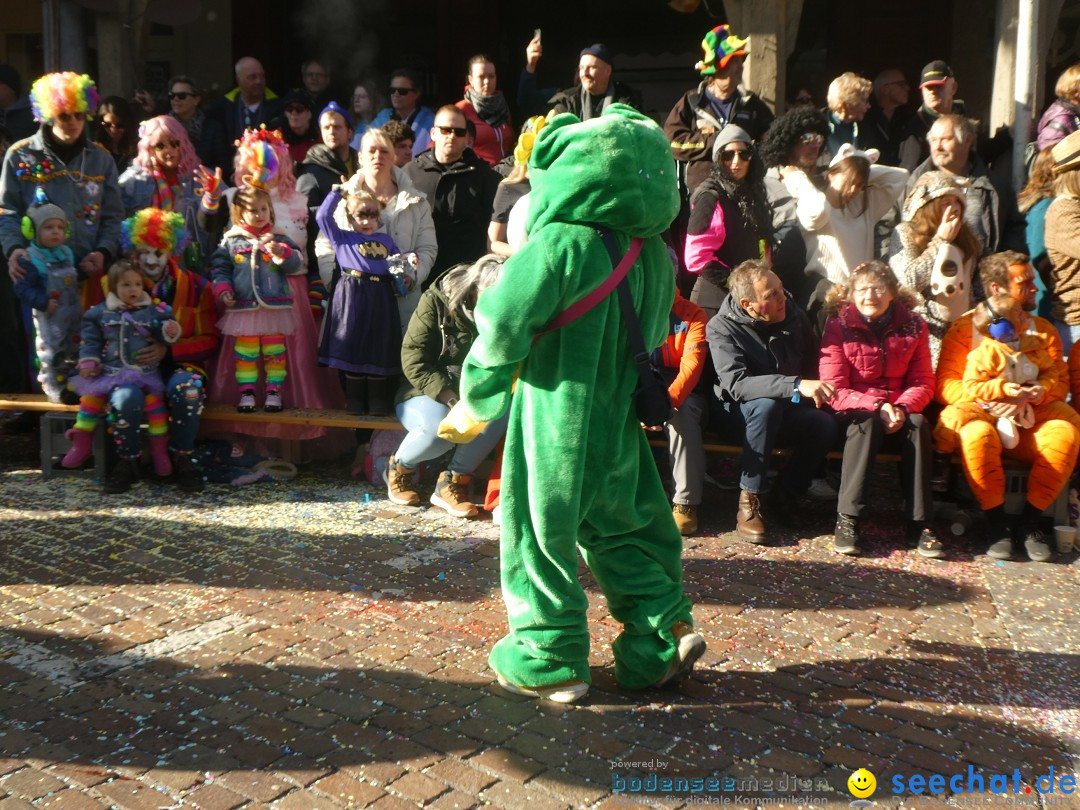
(452, 495)
(685, 518)
(749, 525)
(399, 484)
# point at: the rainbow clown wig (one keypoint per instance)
(56, 93)
(263, 160)
(155, 229)
(165, 128)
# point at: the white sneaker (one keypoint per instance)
(496, 515)
(564, 693)
(820, 490)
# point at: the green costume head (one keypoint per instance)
(615, 170)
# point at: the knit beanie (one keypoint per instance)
(729, 134)
(40, 212)
(720, 45)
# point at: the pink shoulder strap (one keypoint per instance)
(579, 308)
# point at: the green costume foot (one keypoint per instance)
(691, 648)
(559, 693)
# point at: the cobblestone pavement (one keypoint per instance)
(309, 645)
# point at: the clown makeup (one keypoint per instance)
(152, 261)
(52, 233)
(129, 289)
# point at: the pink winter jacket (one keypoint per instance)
(867, 373)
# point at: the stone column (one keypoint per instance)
(772, 26)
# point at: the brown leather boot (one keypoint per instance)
(749, 525)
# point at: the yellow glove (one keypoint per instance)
(460, 426)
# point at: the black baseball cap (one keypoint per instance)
(936, 72)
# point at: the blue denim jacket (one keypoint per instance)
(86, 189)
(241, 266)
(113, 334)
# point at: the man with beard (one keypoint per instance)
(1050, 446)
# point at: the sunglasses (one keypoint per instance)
(803, 100)
(180, 96)
(296, 110)
(460, 132)
(112, 125)
(401, 91)
(76, 116)
(728, 155)
(815, 138)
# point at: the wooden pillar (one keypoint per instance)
(772, 26)
(1002, 111)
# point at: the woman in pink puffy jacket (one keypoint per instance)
(876, 352)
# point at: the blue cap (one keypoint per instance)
(334, 107)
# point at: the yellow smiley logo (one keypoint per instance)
(861, 783)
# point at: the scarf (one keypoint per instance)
(166, 193)
(587, 102)
(65, 151)
(194, 126)
(492, 110)
(257, 240)
(43, 258)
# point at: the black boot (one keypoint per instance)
(186, 475)
(380, 395)
(123, 476)
(355, 394)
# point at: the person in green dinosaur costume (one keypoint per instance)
(577, 469)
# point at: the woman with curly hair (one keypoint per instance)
(729, 217)
(876, 353)
(792, 145)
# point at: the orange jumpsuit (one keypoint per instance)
(1050, 446)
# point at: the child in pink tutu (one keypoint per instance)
(113, 333)
(249, 271)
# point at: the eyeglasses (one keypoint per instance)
(180, 95)
(812, 138)
(459, 132)
(874, 291)
(402, 91)
(728, 155)
(68, 117)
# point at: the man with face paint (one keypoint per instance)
(153, 239)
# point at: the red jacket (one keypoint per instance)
(492, 143)
(685, 349)
(867, 373)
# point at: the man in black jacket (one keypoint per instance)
(765, 355)
(595, 90)
(460, 188)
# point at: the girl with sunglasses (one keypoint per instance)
(117, 130)
(729, 218)
(362, 330)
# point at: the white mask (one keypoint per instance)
(950, 281)
(152, 262)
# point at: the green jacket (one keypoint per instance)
(434, 348)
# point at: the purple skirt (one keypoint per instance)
(362, 328)
(149, 382)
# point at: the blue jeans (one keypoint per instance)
(765, 424)
(128, 406)
(185, 392)
(421, 416)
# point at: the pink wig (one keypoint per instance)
(250, 163)
(150, 132)
(67, 92)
